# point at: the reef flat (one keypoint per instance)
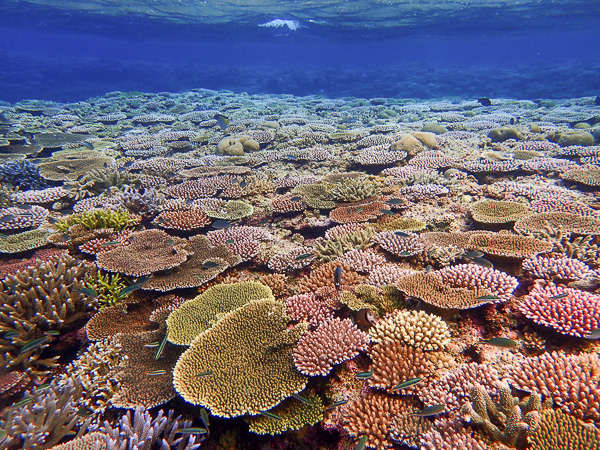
(211, 269)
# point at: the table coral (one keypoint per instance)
(243, 364)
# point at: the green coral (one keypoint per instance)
(354, 190)
(294, 415)
(233, 210)
(244, 364)
(330, 249)
(107, 288)
(316, 196)
(199, 314)
(508, 420)
(21, 242)
(98, 220)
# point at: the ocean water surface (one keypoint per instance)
(299, 224)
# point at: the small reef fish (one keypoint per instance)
(559, 296)
(210, 265)
(152, 345)
(301, 398)
(161, 347)
(270, 415)
(52, 333)
(33, 344)
(407, 383)
(87, 145)
(196, 430)
(364, 375)
(218, 224)
(110, 243)
(222, 121)
(594, 334)
(482, 262)
(404, 254)
(296, 199)
(204, 417)
(387, 211)
(134, 287)
(208, 373)
(337, 277)
(362, 442)
(430, 411)
(471, 255)
(488, 298)
(304, 256)
(501, 342)
(88, 292)
(401, 234)
(22, 402)
(336, 404)
(156, 373)
(7, 218)
(485, 101)
(395, 201)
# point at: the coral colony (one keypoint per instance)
(212, 270)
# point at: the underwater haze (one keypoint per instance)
(300, 225)
(67, 50)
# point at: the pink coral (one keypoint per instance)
(400, 245)
(476, 277)
(334, 342)
(362, 260)
(568, 311)
(572, 381)
(387, 274)
(558, 266)
(308, 306)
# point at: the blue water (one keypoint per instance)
(68, 55)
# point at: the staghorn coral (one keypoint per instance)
(415, 328)
(199, 314)
(407, 430)
(572, 381)
(508, 420)
(145, 203)
(450, 435)
(431, 289)
(387, 274)
(204, 263)
(243, 364)
(294, 416)
(342, 241)
(96, 181)
(98, 220)
(144, 432)
(574, 312)
(46, 420)
(147, 251)
(92, 371)
(89, 441)
(44, 297)
(557, 429)
(354, 190)
(47, 195)
(498, 211)
(393, 363)
(333, 342)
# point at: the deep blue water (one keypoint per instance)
(68, 56)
